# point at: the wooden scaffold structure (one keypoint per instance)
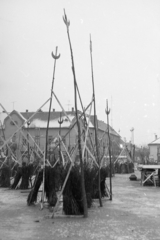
(75, 176)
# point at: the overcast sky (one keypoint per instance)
(126, 59)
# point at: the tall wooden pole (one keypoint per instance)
(72, 126)
(85, 120)
(95, 127)
(2, 127)
(67, 23)
(60, 121)
(55, 58)
(28, 123)
(109, 149)
(45, 152)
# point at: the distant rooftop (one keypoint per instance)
(39, 120)
(156, 141)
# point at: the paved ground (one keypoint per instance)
(134, 213)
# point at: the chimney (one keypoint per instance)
(72, 109)
(53, 109)
(26, 110)
(155, 136)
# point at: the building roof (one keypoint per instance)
(53, 123)
(39, 120)
(103, 126)
(13, 112)
(155, 142)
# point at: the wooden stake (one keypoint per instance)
(95, 128)
(45, 154)
(67, 23)
(109, 149)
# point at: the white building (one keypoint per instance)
(154, 151)
(16, 130)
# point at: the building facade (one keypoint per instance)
(154, 151)
(27, 130)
